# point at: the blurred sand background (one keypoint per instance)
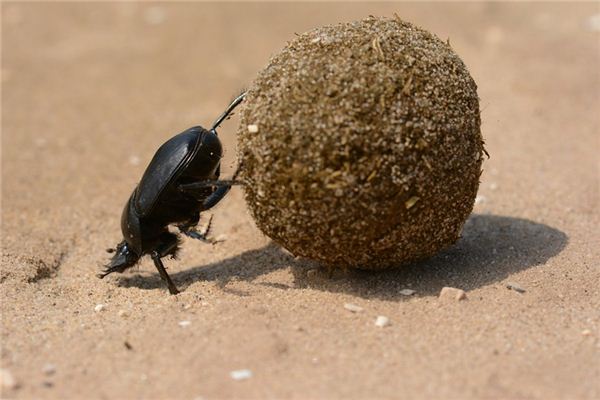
(90, 90)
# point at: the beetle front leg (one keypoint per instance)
(163, 272)
(168, 246)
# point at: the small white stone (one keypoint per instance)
(183, 324)
(134, 160)
(593, 23)
(382, 321)
(480, 199)
(241, 374)
(49, 369)
(253, 128)
(452, 293)
(353, 307)
(407, 292)
(123, 314)
(7, 380)
(99, 307)
(586, 332)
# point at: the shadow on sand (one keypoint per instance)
(491, 249)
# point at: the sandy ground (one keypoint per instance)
(89, 91)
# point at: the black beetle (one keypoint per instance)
(181, 181)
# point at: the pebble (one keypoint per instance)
(49, 369)
(183, 324)
(586, 332)
(134, 160)
(353, 307)
(382, 321)
(253, 128)
(99, 307)
(407, 292)
(241, 374)
(123, 313)
(453, 293)
(516, 287)
(480, 199)
(593, 23)
(7, 380)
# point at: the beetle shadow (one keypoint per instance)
(246, 266)
(491, 249)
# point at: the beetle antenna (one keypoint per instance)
(228, 111)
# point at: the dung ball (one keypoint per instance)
(360, 145)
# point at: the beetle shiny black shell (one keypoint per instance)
(190, 156)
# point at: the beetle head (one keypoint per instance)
(124, 258)
(206, 161)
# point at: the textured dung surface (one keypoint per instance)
(368, 151)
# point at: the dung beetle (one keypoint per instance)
(181, 181)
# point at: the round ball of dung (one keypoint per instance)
(360, 145)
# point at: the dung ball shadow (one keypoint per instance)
(491, 249)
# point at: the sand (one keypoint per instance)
(89, 91)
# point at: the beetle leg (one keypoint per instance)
(194, 234)
(215, 197)
(163, 272)
(168, 246)
(190, 187)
